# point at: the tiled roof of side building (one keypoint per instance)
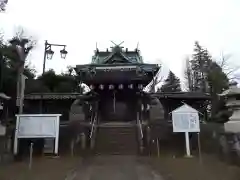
(62, 96)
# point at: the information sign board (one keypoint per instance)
(185, 122)
(185, 119)
(37, 126)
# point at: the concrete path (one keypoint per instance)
(113, 168)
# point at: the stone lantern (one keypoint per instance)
(232, 96)
(5, 139)
(230, 139)
(3, 97)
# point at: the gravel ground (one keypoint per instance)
(46, 168)
(116, 167)
(182, 168)
(121, 168)
(112, 167)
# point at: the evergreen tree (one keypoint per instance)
(52, 82)
(218, 82)
(171, 84)
(205, 75)
(200, 63)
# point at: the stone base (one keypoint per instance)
(230, 148)
(186, 156)
(232, 127)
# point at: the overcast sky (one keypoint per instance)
(165, 29)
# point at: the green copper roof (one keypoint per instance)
(116, 55)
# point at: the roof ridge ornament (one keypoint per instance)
(117, 44)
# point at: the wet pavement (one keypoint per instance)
(114, 168)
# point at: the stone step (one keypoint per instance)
(117, 143)
(115, 146)
(106, 136)
(116, 133)
(116, 153)
(117, 125)
(103, 149)
(116, 140)
(119, 149)
(116, 136)
(117, 129)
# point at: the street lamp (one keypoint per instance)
(48, 53)
(63, 53)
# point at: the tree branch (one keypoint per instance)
(3, 4)
(224, 64)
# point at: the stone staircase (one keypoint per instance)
(116, 139)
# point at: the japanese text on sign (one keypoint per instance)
(185, 122)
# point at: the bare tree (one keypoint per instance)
(19, 47)
(22, 39)
(3, 4)
(189, 76)
(21, 44)
(230, 70)
(70, 71)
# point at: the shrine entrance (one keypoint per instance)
(118, 107)
(116, 79)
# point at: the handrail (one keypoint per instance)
(140, 125)
(93, 126)
(92, 117)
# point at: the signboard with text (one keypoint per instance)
(185, 119)
(37, 126)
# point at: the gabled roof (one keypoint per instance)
(232, 91)
(110, 58)
(184, 109)
(106, 57)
